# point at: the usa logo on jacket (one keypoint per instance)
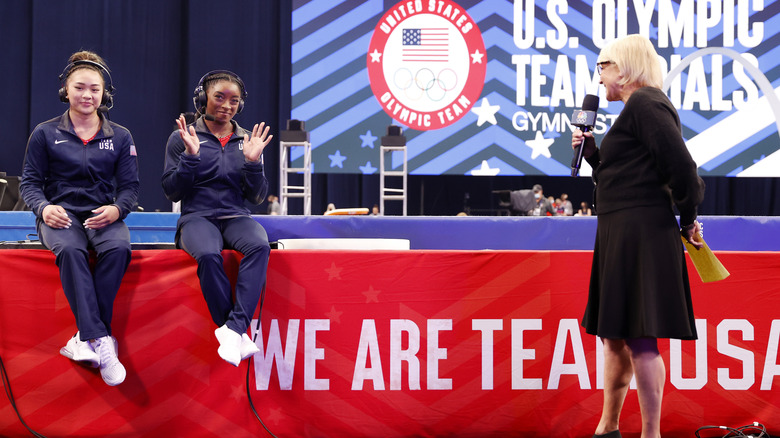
(106, 144)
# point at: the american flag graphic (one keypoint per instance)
(425, 45)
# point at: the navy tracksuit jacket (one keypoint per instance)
(59, 169)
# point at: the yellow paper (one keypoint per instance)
(707, 265)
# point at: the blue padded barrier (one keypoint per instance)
(723, 233)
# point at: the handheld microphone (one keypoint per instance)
(584, 119)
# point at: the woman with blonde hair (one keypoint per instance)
(639, 290)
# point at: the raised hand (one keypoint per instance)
(254, 145)
(190, 138)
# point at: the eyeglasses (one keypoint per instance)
(600, 65)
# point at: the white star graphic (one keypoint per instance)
(540, 145)
(334, 315)
(367, 140)
(485, 170)
(333, 272)
(375, 55)
(337, 159)
(486, 112)
(367, 169)
(476, 57)
(371, 294)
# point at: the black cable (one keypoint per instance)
(249, 366)
(739, 432)
(755, 427)
(10, 395)
(252, 405)
(732, 433)
(27, 240)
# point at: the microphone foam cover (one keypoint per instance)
(590, 103)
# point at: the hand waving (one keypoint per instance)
(190, 138)
(253, 147)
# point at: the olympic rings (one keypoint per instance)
(426, 83)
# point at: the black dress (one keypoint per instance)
(639, 279)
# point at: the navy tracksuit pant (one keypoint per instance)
(204, 239)
(91, 294)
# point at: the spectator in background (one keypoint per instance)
(568, 209)
(584, 210)
(542, 206)
(558, 206)
(274, 208)
(375, 210)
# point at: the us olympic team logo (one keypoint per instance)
(426, 63)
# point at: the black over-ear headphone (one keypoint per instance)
(199, 97)
(108, 89)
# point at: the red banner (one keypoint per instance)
(394, 343)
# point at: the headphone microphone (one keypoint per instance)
(102, 109)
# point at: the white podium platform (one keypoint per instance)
(345, 244)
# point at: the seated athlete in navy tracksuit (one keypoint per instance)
(212, 167)
(80, 178)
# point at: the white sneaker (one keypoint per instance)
(229, 345)
(112, 371)
(81, 351)
(248, 347)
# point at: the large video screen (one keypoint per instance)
(489, 87)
